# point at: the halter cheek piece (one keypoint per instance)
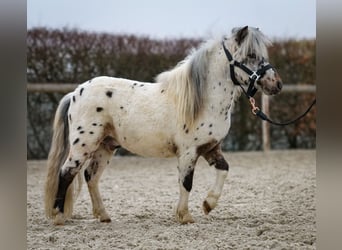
(254, 76)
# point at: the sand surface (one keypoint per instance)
(268, 202)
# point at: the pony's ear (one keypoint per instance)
(241, 34)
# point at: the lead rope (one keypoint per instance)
(256, 111)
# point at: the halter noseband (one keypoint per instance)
(254, 76)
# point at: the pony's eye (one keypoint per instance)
(262, 61)
(252, 55)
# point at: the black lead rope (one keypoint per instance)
(256, 111)
(253, 77)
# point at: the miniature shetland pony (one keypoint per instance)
(185, 114)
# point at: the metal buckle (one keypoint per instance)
(255, 109)
(254, 76)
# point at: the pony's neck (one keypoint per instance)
(221, 91)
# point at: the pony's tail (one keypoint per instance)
(58, 153)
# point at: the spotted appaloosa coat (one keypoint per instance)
(125, 111)
(185, 114)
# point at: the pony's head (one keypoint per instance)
(250, 48)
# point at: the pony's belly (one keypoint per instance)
(150, 151)
(149, 145)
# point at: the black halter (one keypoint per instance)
(254, 76)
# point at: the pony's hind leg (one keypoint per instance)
(64, 199)
(100, 159)
(186, 167)
(215, 157)
(81, 149)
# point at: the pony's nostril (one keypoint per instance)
(279, 85)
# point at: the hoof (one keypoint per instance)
(186, 220)
(184, 217)
(209, 204)
(59, 219)
(102, 215)
(105, 220)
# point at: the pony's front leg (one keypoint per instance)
(215, 157)
(186, 167)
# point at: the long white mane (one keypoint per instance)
(186, 83)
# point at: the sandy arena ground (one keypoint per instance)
(268, 202)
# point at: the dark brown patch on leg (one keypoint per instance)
(187, 182)
(206, 207)
(109, 143)
(221, 163)
(173, 147)
(108, 134)
(108, 129)
(91, 170)
(64, 182)
(214, 156)
(203, 149)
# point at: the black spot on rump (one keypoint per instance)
(81, 91)
(74, 99)
(94, 124)
(109, 93)
(99, 109)
(75, 141)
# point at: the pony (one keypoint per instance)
(185, 113)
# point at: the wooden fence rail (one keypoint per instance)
(68, 87)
